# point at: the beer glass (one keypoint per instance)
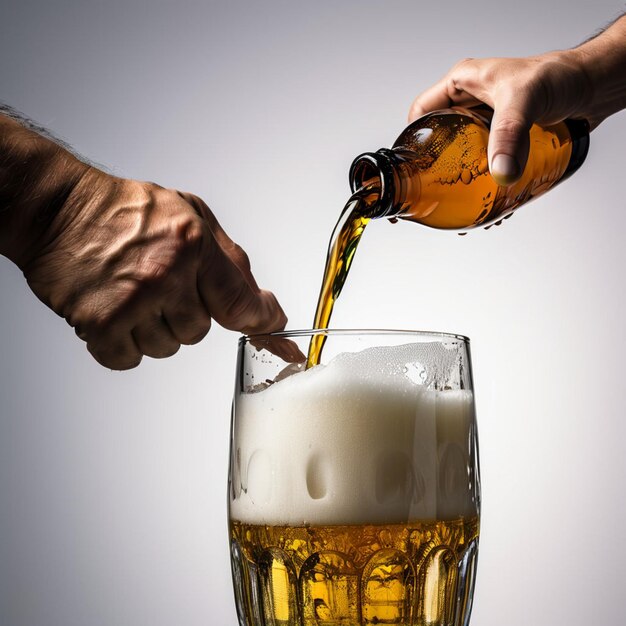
(354, 489)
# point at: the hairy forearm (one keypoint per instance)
(603, 58)
(37, 175)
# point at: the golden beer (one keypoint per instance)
(417, 573)
(437, 175)
(353, 485)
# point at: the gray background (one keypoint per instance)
(113, 485)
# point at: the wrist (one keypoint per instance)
(77, 206)
(603, 60)
(36, 179)
(572, 90)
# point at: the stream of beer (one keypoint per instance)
(341, 249)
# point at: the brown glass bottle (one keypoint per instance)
(437, 172)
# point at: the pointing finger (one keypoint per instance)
(233, 250)
(230, 298)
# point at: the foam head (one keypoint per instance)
(363, 439)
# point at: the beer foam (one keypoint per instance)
(359, 440)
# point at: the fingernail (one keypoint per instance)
(504, 169)
(297, 355)
(292, 351)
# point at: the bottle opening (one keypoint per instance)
(370, 176)
(364, 171)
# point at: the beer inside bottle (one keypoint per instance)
(437, 172)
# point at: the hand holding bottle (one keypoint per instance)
(587, 82)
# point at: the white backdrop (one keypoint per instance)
(113, 485)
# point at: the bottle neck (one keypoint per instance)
(378, 175)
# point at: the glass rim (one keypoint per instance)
(309, 332)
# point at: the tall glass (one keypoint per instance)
(354, 489)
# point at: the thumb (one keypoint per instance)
(509, 142)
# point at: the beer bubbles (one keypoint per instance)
(335, 444)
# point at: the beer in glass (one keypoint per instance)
(353, 486)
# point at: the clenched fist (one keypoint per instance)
(134, 268)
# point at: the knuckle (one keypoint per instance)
(236, 309)
(193, 333)
(154, 339)
(188, 197)
(189, 326)
(151, 272)
(240, 256)
(197, 338)
(510, 128)
(191, 235)
(81, 333)
(282, 320)
(98, 316)
(272, 318)
(239, 306)
(183, 239)
(463, 63)
(279, 317)
(492, 71)
(452, 87)
(196, 203)
(462, 77)
(98, 323)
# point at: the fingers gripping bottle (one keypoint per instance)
(437, 171)
(437, 174)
